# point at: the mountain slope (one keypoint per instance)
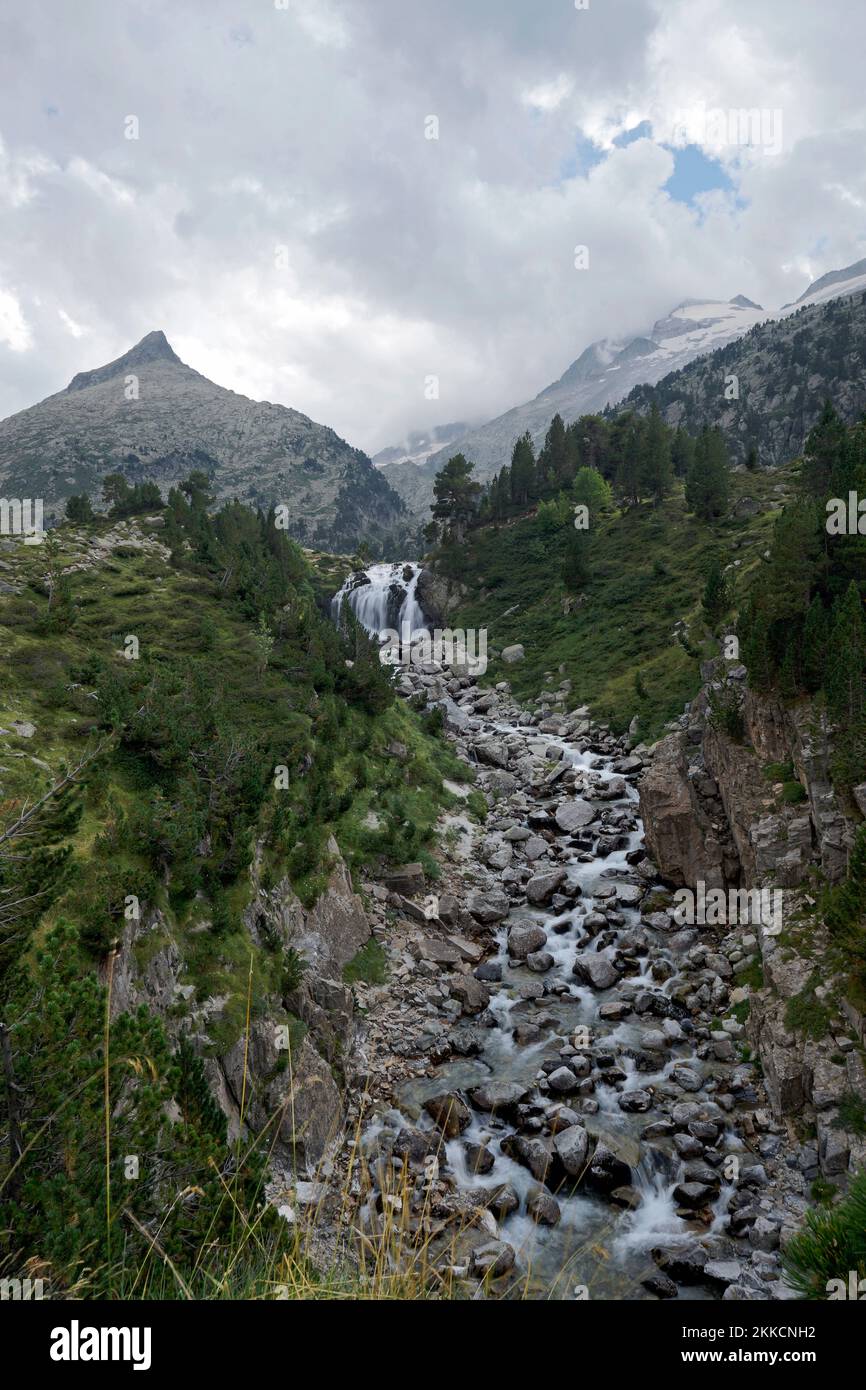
(148, 415)
(785, 370)
(607, 372)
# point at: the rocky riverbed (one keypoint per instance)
(554, 1087)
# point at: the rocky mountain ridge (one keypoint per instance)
(609, 372)
(149, 416)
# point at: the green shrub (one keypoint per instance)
(805, 1014)
(852, 1114)
(369, 966)
(831, 1245)
(793, 793)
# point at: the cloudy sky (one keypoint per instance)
(257, 178)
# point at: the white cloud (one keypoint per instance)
(304, 129)
(14, 330)
(547, 96)
(73, 328)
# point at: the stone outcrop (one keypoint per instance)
(286, 1070)
(712, 814)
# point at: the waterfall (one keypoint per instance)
(382, 597)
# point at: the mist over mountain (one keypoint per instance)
(607, 372)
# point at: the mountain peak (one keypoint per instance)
(834, 277)
(743, 303)
(153, 347)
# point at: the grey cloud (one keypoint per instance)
(304, 128)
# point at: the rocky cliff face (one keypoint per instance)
(712, 815)
(287, 1071)
(149, 416)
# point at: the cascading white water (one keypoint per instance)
(374, 602)
(591, 1241)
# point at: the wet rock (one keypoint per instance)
(660, 1285)
(687, 1146)
(490, 971)
(502, 1200)
(635, 1102)
(685, 1263)
(693, 1194)
(614, 1011)
(607, 1169)
(534, 1154)
(478, 1158)
(499, 1097)
(491, 1260)
(686, 1077)
(696, 1171)
(466, 1042)
(474, 996)
(562, 1080)
(415, 1145)
(543, 1208)
(626, 1197)
(596, 970)
(561, 1117)
(525, 939)
(574, 815)
(540, 961)
(540, 888)
(449, 1112)
(722, 1272)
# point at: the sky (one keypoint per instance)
(391, 214)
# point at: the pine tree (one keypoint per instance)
(816, 633)
(656, 465)
(630, 467)
(682, 452)
(456, 494)
(822, 453)
(556, 452)
(79, 508)
(708, 481)
(523, 471)
(754, 629)
(846, 660)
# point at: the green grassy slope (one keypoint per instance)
(55, 676)
(648, 568)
